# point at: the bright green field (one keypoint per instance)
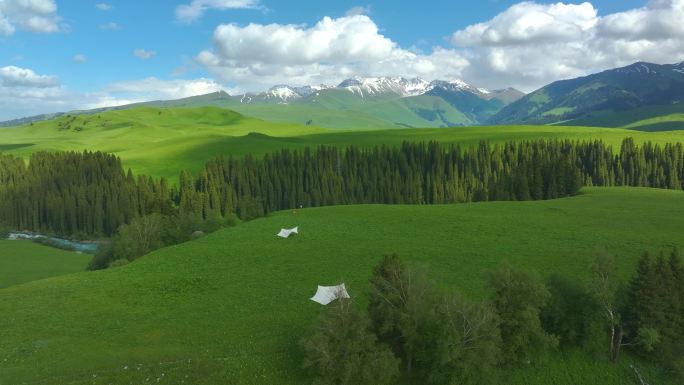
(24, 261)
(163, 141)
(230, 307)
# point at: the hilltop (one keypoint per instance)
(643, 96)
(231, 307)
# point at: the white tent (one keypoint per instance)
(326, 294)
(284, 233)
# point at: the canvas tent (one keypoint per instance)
(284, 233)
(326, 294)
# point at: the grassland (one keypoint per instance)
(163, 141)
(650, 118)
(230, 307)
(24, 261)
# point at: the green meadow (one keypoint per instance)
(25, 261)
(229, 308)
(163, 141)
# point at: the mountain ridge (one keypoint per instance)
(593, 98)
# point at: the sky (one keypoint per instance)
(59, 55)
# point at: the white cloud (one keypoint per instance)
(103, 6)
(111, 26)
(153, 88)
(256, 56)
(143, 54)
(531, 44)
(25, 93)
(79, 58)
(193, 11)
(22, 92)
(359, 10)
(14, 77)
(30, 15)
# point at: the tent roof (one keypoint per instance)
(326, 294)
(284, 233)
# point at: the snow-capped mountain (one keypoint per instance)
(364, 87)
(373, 86)
(282, 93)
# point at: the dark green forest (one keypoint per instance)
(416, 330)
(90, 194)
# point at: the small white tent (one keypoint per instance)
(284, 233)
(326, 294)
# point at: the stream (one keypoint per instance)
(89, 247)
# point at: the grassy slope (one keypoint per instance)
(230, 307)
(160, 142)
(151, 140)
(319, 116)
(418, 111)
(24, 261)
(652, 118)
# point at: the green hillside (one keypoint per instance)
(604, 98)
(150, 139)
(419, 111)
(24, 261)
(163, 141)
(652, 118)
(230, 307)
(316, 115)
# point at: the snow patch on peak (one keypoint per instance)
(308, 90)
(452, 85)
(282, 92)
(638, 67)
(370, 86)
(484, 91)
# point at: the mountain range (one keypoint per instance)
(358, 102)
(642, 96)
(614, 98)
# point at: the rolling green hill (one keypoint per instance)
(603, 98)
(230, 307)
(651, 118)
(151, 140)
(163, 141)
(24, 261)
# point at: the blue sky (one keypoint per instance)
(57, 55)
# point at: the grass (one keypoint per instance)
(230, 307)
(25, 261)
(163, 141)
(650, 118)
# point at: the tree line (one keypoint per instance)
(75, 194)
(423, 173)
(414, 330)
(90, 194)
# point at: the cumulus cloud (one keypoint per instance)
(153, 88)
(30, 15)
(79, 59)
(12, 76)
(143, 54)
(193, 11)
(111, 26)
(257, 55)
(25, 93)
(531, 44)
(136, 91)
(103, 6)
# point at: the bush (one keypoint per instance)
(119, 262)
(342, 351)
(103, 257)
